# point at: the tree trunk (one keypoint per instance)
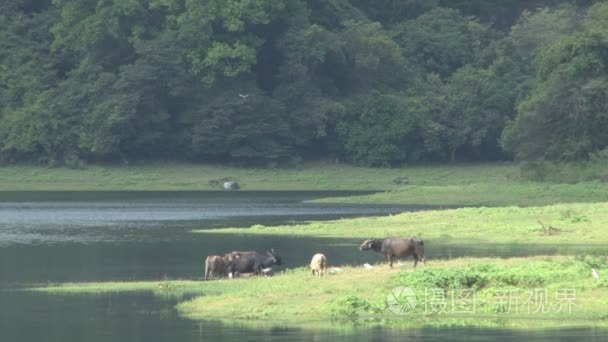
(453, 155)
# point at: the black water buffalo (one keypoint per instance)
(396, 247)
(251, 262)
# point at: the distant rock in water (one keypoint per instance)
(225, 183)
(231, 185)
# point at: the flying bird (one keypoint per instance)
(368, 266)
(594, 274)
(243, 96)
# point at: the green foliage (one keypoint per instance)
(391, 11)
(593, 261)
(572, 216)
(384, 132)
(474, 277)
(594, 169)
(350, 306)
(231, 127)
(541, 29)
(482, 276)
(379, 83)
(561, 118)
(597, 18)
(441, 40)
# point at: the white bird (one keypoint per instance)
(266, 270)
(594, 274)
(335, 270)
(368, 266)
(243, 96)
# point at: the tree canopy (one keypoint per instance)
(378, 83)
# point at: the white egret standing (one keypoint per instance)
(594, 274)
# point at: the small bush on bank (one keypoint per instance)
(483, 276)
(595, 169)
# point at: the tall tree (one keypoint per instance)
(564, 116)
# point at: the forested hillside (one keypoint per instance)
(380, 83)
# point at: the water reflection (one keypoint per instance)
(43, 218)
(141, 317)
(48, 237)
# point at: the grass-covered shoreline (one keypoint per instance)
(574, 223)
(489, 184)
(359, 296)
(183, 176)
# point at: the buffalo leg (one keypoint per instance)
(390, 261)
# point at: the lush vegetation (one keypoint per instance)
(359, 296)
(280, 81)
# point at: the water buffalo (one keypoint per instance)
(251, 262)
(216, 266)
(396, 247)
(318, 264)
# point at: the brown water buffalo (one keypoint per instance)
(318, 264)
(395, 247)
(214, 267)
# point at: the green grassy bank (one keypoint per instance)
(312, 176)
(468, 184)
(571, 223)
(359, 296)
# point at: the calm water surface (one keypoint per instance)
(96, 236)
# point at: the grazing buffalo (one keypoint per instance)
(214, 267)
(318, 264)
(396, 247)
(251, 262)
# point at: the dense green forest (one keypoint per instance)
(380, 83)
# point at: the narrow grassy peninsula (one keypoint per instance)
(554, 224)
(518, 292)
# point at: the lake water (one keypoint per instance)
(48, 237)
